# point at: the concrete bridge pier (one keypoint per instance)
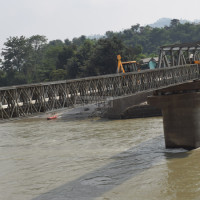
(181, 118)
(118, 105)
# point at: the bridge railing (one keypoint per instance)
(23, 100)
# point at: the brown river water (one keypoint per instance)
(94, 159)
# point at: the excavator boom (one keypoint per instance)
(124, 67)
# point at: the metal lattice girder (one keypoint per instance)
(179, 54)
(23, 100)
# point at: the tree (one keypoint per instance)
(64, 56)
(37, 42)
(104, 58)
(83, 55)
(50, 59)
(57, 75)
(135, 28)
(2, 78)
(68, 42)
(174, 23)
(32, 66)
(110, 34)
(15, 53)
(73, 68)
(79, 41)
(22, 57)
(56, 43)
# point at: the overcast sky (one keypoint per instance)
(61, 19)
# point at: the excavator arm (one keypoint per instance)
(120, 68)
(123, 67)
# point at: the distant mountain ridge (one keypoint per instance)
(162, 22)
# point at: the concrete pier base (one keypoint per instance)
(181, 119)
(119, 105)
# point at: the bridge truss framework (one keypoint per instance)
(179, 54)
(23, 100)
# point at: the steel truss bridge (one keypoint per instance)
(179, 54)
(24, 100)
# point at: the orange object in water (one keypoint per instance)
(53, 117)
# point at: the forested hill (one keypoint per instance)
(28, 60)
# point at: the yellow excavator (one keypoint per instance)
(123, 67)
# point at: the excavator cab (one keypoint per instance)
(124, 67)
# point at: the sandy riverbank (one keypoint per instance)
(86, 111)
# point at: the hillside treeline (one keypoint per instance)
(30, 60)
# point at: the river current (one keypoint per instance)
(94, 159)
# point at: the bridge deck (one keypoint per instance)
(23, 100)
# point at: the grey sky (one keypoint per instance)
(61, 19)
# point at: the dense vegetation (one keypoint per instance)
(29, 60)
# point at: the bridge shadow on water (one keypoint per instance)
(125, 166)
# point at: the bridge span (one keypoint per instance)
(24, 100)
